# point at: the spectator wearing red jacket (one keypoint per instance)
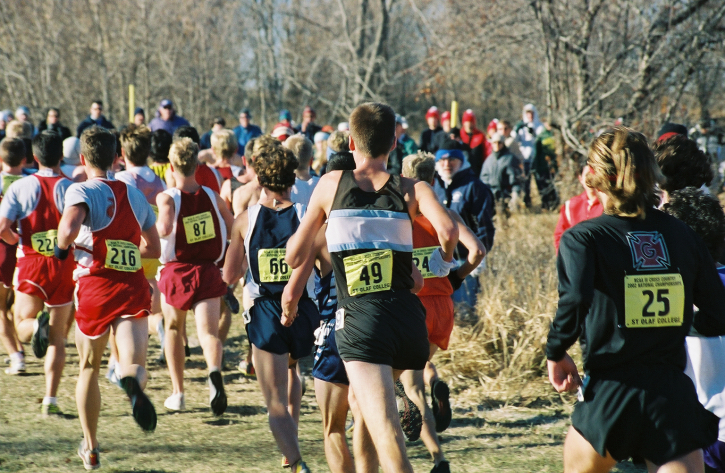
(476, 141)
(579, 208)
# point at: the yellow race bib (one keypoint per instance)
(44, 242)
(122, 255)
(272, 266)
(9, 179)
(421, 259)
(369, 272)
(656, 300)
(199, 227)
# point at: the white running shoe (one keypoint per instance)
(175, 402)
(16, 367)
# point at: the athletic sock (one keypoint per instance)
(17, 356)
(47, 401)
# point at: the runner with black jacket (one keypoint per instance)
(627, 284)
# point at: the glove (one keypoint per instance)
(231, 301)
(438, 266)
(61, 254)
(455, 280)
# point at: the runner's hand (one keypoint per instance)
(438, 266)
(563, 374)
(289, 313)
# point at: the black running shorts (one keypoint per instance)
(389, 331)
(650, 412)
(266, 332)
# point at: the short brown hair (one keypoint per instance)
(18, 129)
(421, 166)
(275, 167)
(224, 143)
(339, 141)
(302, 148)
(98, 147)
(183, 155)
(372, 127)
(136, 143)
(12, 151)
(624, 167)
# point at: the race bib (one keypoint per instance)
(123, 256)
(199, 227)
(369, 272)
(272, 266)
(9, 179)
(421, 258)
(44, 242)
(656, 300)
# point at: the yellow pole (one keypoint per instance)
(131, 102)
(454, 114)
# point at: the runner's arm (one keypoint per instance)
(150, 244)
(418, 280)
(234, 260)
(226, 194)
(295, 287)
(438, 216)
(300, 246)
(224, 210)
(70, 224)
(7, 233)
(165, 220)
(476, 250)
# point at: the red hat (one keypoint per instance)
(492, 126)
(468, 116)
(432, 112)
(446, 116)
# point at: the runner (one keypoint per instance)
(380, 327)
(193, 222)
(627, 284)
(260, 234)
(12, 153)
(159, 152)
(113, 228)
(436, 298)
(135, 149)
(36, 203)
(304, 181)
(224, 146)
(205, 175)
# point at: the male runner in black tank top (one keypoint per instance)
(382, 325)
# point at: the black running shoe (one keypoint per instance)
(443, 467)
(410, 418)
(217, 396)
(187, 352)
(440, 398)
(231, 301)
(41, 332)
(143, 411)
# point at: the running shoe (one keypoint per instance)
(91, 458)
(49, 410)
(441, 404)
(442, 467)
(285, 462)
(187, 352)
(143, 411)
(112, 374)
(41, 329)
(231, 301)
(175, 402)
(300, 467)
(217, 396)
(16, 367)
(247, 369)
(410, 418)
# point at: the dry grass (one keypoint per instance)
(500, 354)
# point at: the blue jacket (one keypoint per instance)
(473, 200)
(88, 122)
(169, 125)
(245, 134)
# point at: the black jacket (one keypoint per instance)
(88, 122)
(58, 128)
(426, 140)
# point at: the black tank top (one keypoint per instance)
(370, 239)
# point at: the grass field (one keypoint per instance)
(506, 416)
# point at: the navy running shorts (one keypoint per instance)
(266, 332)
(387, 331)
(646, 411)
(328, 365)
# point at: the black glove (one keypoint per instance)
(61, 254)
(455, 280)
(231, 301)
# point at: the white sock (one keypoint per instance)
(49, 400)
(17, 356)
(213, 369)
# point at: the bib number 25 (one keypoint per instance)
(369, 272)
(656, 300)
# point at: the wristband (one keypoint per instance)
(59, 253)
(455, 280)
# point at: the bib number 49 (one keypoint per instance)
(369, 272)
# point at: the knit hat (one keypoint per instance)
(468, 116)
(402, 121)
(285, 115)
(22, 109)
(246, 111)
(449, 154)
(282, 132)
(668, 130)
(492, 126)
(343, 126)
(139, 110)
(432, 113)
(72, 151)
(446, 116)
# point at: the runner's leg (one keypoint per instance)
(132, 339)
(375, 396)
(690, 463)
(272, 374)
(294, 392)
(332, 399)
(580, 456)
(88, 394)
(415, 389)
(55, 357)
(206, 313)
(225, 323)
(8, 336)
(26, 309)
(430, 372)
(174, 320)
(366, 458)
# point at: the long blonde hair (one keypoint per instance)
(624, 167)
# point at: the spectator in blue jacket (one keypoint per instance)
(217, 124)
(460, 190)
(167, 119)
(246, 131)
(95, 118)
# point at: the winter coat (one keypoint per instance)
(502, 173)
(89, 122)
